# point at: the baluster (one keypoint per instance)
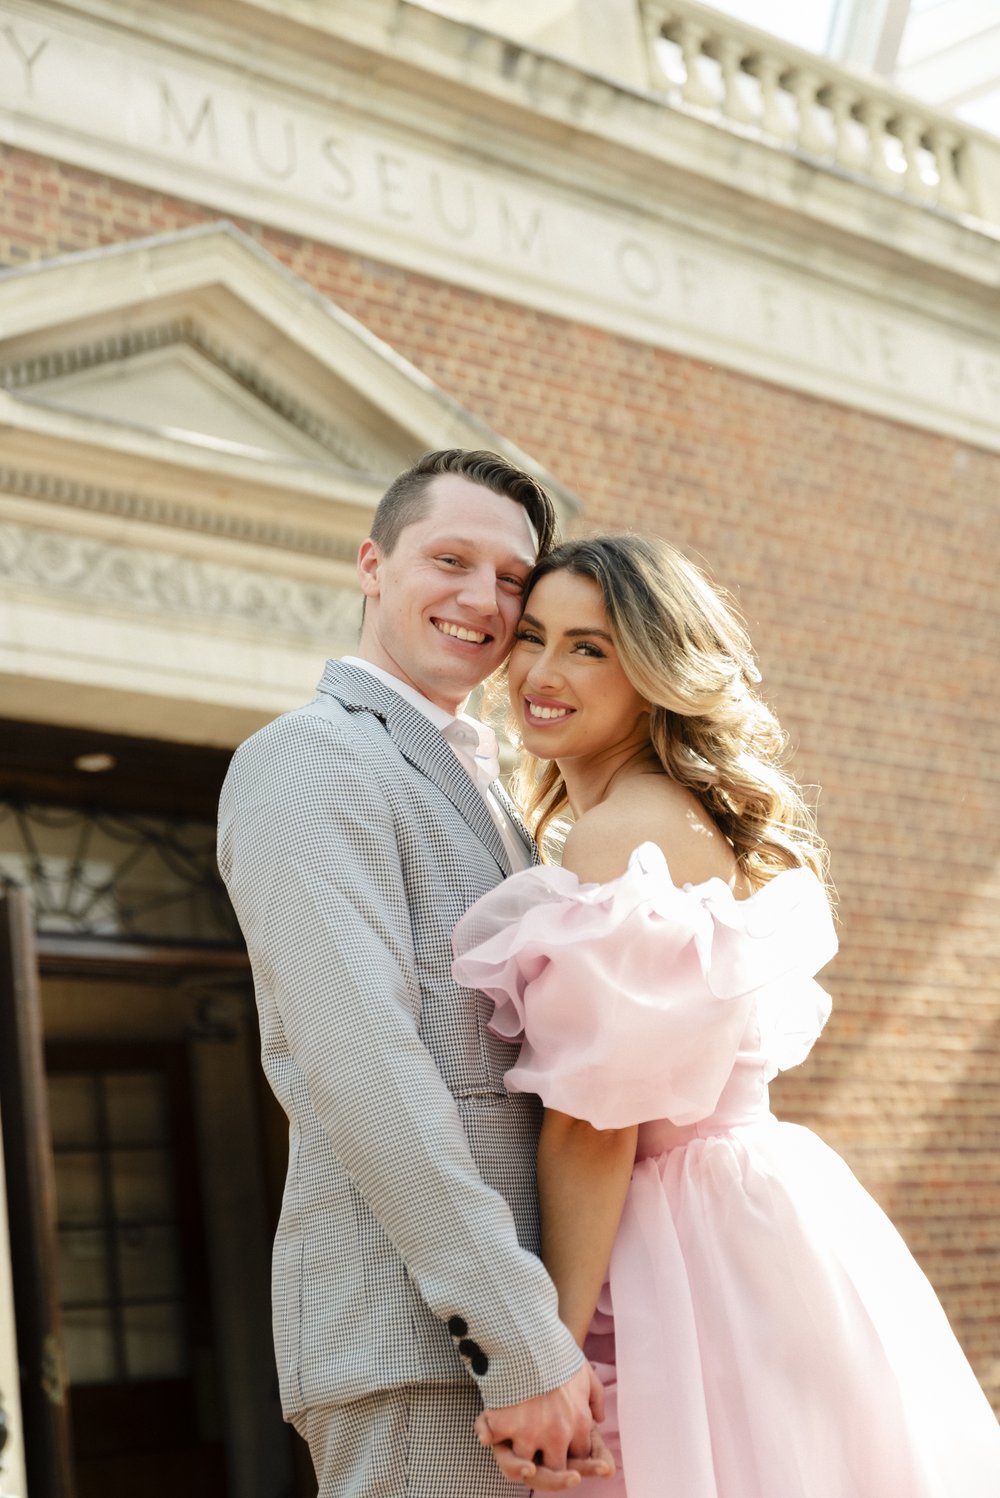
(943, 142)
(911, 131)
(695, 90)
(874, 115)
(804, 86)
(841, 105)
(768, 71)
(654, 18)
(730, 53)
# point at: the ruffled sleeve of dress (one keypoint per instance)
(631, 998)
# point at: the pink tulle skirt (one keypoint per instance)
(765, 1333)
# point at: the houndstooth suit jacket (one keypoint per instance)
(351, 840)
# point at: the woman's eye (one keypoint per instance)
(585, 648)
(526, 637)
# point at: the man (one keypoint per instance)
(353, 834)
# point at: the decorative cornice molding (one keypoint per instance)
(157, 510)
(55, 563)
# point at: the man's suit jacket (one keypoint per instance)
(351, 841)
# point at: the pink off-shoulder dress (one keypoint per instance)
(763, 1332)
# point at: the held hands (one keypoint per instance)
(551, 1442)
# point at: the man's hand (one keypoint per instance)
(551, 1442)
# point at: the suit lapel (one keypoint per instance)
(421, 745)
(517, 820)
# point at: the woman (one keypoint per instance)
(762, 1329)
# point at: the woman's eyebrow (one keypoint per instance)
(570, 634)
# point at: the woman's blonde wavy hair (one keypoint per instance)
(685, 649)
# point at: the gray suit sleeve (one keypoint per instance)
(310, 855)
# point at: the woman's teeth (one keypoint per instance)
(547, 712)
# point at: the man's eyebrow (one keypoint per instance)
(464, 543)
(570, 634)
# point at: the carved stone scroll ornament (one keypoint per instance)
(163, 583)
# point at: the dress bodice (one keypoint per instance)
(639, 1001)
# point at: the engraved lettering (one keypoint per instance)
(344, 185)
(770, 308)
(287, 167)
(391, 187)
(464, 227)
(886, 341)
(172, 118)
(638, 268)
(847, 339)
(991, 379)
(691, 282)
(976, 382)
(807, 326)
(26, 59)
(518, 238)
(963, 383)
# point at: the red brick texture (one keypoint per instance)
(865, 555)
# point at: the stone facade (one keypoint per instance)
(777, 345)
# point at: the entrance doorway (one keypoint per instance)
(151, 1248)
(144, 1152)
(134, 1293)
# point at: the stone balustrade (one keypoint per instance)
(753, 83)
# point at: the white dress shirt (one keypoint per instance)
(474, 745)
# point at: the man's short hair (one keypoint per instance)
(406, 499)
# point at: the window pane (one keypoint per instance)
(147, 1259)
(78, 1187)
(72, 1111)
(142, 1187)
(154, 1341)
(90, 1347)
(83, 1265)
(135, 1108)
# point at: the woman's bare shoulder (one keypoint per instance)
(649, 809)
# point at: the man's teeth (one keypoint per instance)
(534, 711)
(458, 633)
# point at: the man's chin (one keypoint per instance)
(464, 678)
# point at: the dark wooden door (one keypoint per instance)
(134, 1288)
(31, 1202)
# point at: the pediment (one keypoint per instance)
(199, 364)
(178, 391)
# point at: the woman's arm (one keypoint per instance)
(583, 1176)
(583, 1172)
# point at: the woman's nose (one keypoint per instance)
(543, 673)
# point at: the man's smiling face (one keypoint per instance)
(442, 606)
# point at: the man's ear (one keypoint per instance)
(369, 563)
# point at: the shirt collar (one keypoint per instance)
(437, 715)
(475, 743)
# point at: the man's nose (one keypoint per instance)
(479, 591)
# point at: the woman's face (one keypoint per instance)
(567, 686)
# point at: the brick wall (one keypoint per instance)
(865, 556)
